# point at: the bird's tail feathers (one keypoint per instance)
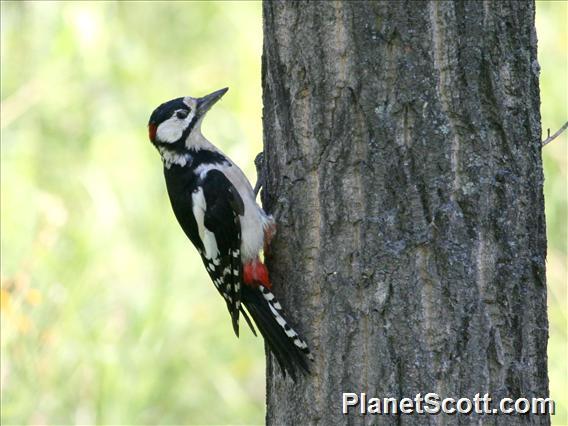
(289, 349)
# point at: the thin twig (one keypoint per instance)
(554, 136)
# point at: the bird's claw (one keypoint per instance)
(259, 164)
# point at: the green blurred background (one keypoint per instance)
(107, 315)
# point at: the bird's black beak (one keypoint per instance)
(206, 102)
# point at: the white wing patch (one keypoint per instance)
(207, 237)
(255, 220)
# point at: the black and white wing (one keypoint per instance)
(216, 207)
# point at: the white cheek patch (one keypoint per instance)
(170, 131)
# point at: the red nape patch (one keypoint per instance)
(152, 131)
(255, 273)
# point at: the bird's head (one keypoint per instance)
(172, 122)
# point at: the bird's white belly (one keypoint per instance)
(252, 232)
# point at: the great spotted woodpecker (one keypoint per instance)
(215, 205)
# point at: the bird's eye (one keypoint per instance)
(182, 113)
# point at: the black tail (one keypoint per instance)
(290, 350)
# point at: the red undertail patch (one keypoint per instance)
(255, 273)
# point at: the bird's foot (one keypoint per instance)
(260, 172)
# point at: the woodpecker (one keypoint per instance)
(215, 205)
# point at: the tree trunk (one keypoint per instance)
(402, 146)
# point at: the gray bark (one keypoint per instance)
(402, 146)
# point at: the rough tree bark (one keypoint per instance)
(402, 146)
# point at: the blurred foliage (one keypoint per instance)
(552, 31)
(107, 315)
